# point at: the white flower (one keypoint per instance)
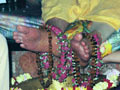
(112, 75)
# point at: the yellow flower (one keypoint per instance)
(101, 86)
(70, 88)
(83, 88)
(20, 78)
(113, 78)
(27, 76)
(106, 48)
(12, 81)
(15, 88)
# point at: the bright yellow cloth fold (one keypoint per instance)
(107, 11)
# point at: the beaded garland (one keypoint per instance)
(95, 57)
(95, 64)
(40, 72)
(68, 56)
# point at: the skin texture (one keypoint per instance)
(36, 40)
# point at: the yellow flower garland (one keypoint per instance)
(112, 76)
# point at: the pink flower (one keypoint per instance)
(69, 55)
(64, 67)
(59, 71)
(54, 75)
(46, 65)
(66, 48)
(59, 65)
(44, 57)
(56, 30)
(99, 55)
(64, 37)
(62, 56)
(63, 76)
(60, 80)
(97, 71)
(89, 78)
(73, 80)
(61, 43)
(84, 84)
(99, 64)
(62, 61)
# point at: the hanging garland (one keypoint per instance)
(50, 56)
(67, 56)
(69, 60)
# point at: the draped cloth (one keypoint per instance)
(107, 11)
(9, 23)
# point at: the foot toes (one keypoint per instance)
(78, 37)
(86, 51)
(74, 44)
(83, 43)
(17, 41)
(85, 47)
(86, 56)
(22, 45)
(23, 29)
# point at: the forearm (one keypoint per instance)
(113, 57)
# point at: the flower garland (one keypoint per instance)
(48, 66)
(109, 82)
(68, 56)
(94, 66)
(19, 79)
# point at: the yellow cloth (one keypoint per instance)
(107, 11)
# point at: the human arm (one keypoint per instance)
(112, 58)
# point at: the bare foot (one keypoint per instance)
(28, 38)
(80, 47)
